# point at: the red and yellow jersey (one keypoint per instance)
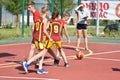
(36, 15)
(63, 22)
(55, 30)
(38, 30)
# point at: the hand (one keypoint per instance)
(50, 39)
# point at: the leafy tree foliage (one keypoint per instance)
(67, 5)
(0, 3)
(15, 8)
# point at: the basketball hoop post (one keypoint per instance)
(22, 18)
(79, 2)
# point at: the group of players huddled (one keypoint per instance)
(46, 34)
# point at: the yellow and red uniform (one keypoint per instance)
(55, 34)
(36, 15)
(63, 22)
(55, 29)
(38, 30)
(38, 33)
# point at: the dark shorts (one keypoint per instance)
(81, 26)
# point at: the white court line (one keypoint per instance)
(100, 53)
(109, 52)
(4, 64)
(14, 44)
(26, 78)
(103, 59)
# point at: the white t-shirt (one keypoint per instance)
(82, 14)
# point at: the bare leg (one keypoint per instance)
(58, 53)
(85, 38)
(37, 56)
(52, 54)
(41, 62)
(78, 38)
(63, 55)
(31, 53)
(41, 70)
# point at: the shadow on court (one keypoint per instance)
(116, 69)
(6, 55)
(20, 68)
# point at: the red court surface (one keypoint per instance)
(103, 64)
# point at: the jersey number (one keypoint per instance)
(37, 25)
(56, 29)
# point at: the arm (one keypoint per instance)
(78, 17)
(86, 18)
(66, 34)
(33, 28)
(46, 25)
(76, 11)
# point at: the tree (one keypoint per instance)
(67, 5)
(15, 8)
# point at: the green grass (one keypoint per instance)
(92, 32)
(14, 33)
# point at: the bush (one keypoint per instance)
(8, 26)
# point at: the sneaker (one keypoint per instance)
(41, 71)
(77, 49)
(59, 57)
(25, 66)
(56, 62)
(66, 64)
(86, 49)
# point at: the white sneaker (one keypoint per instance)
(86, 49)
(77, 49)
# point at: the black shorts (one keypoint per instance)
(81, 26)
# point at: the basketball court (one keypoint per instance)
(102, 64)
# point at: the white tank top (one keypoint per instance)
(82, 14)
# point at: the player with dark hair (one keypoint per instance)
(54, 38)
(64, 20)
(55, 27)
(44, 13)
